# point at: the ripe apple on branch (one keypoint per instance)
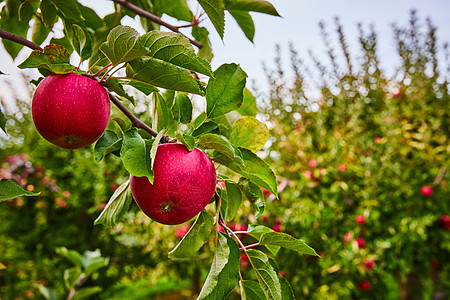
(173, 168)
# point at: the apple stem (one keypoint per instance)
(250, 246)
(123, 66)
(143, 13)
(101, 70)
(19, 40)
(135, 121)
(241, 232)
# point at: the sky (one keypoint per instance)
(299, 25)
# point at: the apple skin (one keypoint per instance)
(184, 183)
(70, 110)
(426, 190)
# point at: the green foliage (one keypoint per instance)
(54, 58)
(116, 206)
(223, 276)
(354, 162)
(164, 67)
(11, 190)
(195, 238)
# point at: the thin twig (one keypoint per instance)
(135, 121)
(439, 177)
(19, 40)
(101, 70)
(250, 246)
(143, 13)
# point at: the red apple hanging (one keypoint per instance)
(70, 110)
(184, 183)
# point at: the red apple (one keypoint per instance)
(312, 163)
(360, 219)
(308, 174)
(365, 286)
(182, 231)
(426, 190)
(70, 110)
(184, 183)
(342, 168)
(276, 227)
(369, 264)
(348, 237)
(360, 242)
(444, 221)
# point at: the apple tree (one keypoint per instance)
(193, 160)
(369, 183)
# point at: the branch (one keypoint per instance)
(19, 40)
(134, 120)
(139, 11)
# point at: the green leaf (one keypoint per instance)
(201, 34)
(86, 293)
(182, 109)
(54, 58)
(178, 9)
(48, 12)
(260, 6)
(71, 255)
(121, 123)
(69, 9)
(215, 10)
(122, 45)
(286, 289)
(71, 277)
(266, 274)
(204, 128)
(116, 86)
(109, 142)
(118, 204)
(64, 42)
(91, 19)
(81, 41)
(248, 132)
(25, 11)
(169, 96)
(39, 33)
(245, 22)
(257, 170)
(221, 145)
(93, 261)
(163, 74)
(195, 238)
(2, 121)
(162, 112)
(225, 91)
(234, 199)
(48, 293)
(287, 241)
(176, 49)
(254, 194)
(248, 107)
(224, 272)
(187, 140)
(154, 147)
(145, 88)
(258, 231)
(10, 190)
(253, 291)
(134, 154)
(9, 21)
